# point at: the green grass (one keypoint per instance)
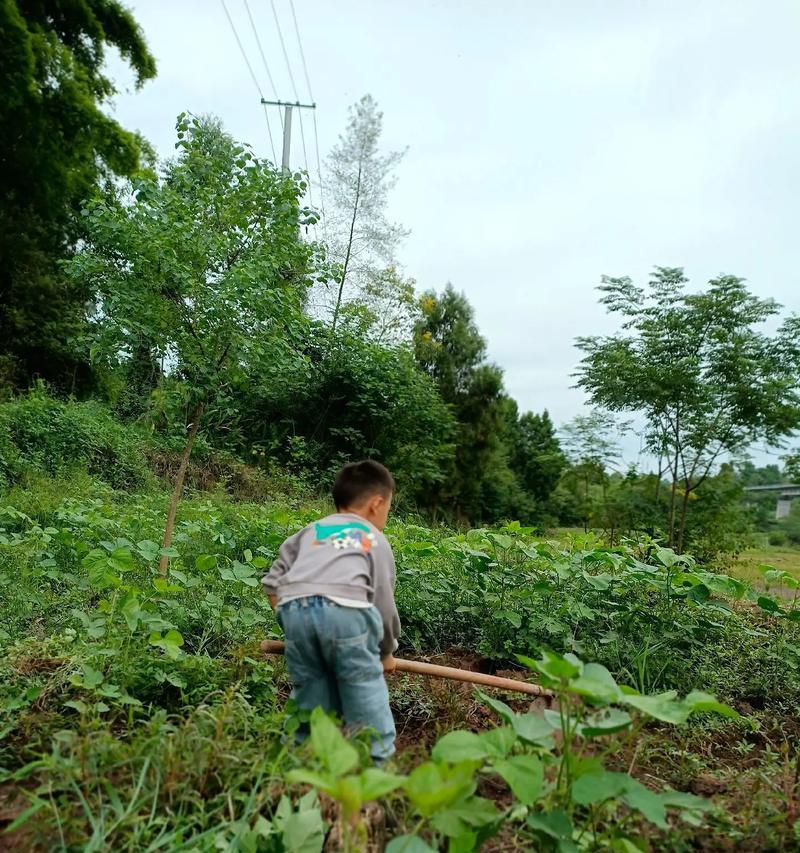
(137, 713)
(746, 567)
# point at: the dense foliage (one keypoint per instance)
(57, 144)
(113, 671)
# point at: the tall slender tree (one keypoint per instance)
(362, 240)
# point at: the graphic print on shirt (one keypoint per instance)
(353, 534)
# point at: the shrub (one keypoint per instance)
(777, 538)
(42, 435)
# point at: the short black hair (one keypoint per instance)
(359, 480)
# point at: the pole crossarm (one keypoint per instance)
(288, 104)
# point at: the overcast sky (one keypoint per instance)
(549, 143)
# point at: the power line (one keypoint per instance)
(302, 52)
(319, 175)
(296, 95)
(283, 48)
(252, 74)
(269, 131)
(314, 116)
(263, 57)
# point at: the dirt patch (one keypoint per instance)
(12, 805)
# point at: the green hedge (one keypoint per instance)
(40, 434)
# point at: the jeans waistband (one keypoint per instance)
(309, 601)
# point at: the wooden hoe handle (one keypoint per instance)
(276, 647)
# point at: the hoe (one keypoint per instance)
(276, 647)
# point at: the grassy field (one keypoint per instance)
(138, 715)
(747, 567)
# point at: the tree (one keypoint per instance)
(451, 350)
(361, 238)
(791, 464)
(389, 303)
(537, 457)
(447, 342)
(708, 382)
(56, 145)
(365, 399)
(203, 260)
(591, 446)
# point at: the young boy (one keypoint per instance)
(332, 587)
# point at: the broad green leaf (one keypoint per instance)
(605, 722)
(431, 786)
(330, 745)
(376, 783)
(498, 742)
(626, 845)
(698, 701)
(768, 604)
(169, 552)
(532, 728)
(303, 832)
(645, 801)
(499, 707)
(524, 775)
(458, 746)
(605, 785)
(205, 562)
(465, 816)
(598, 787)
(130, 610)
(346, 790)
(554, 667)
(148, 550)
(663, 706)
(509, 616)
(89, 677)
(171, 643)
(408, 844)
(596, 684)
(556, 824)
(466, 842)
(683, 800)
(502, 540)
(700, 593)
(122, 560)
(301, 776)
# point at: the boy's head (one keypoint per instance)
(365, 488)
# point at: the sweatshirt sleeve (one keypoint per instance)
(384, 582)
(286, 556)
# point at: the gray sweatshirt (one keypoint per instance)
(339, 556)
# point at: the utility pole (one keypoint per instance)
(288, 106)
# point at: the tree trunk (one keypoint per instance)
(178, 489)
(673, 502)
(586, 507)
(684, 511)
(347, 254)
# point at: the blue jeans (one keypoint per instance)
(334, 662)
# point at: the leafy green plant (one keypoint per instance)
(553, 765)
(108, 667)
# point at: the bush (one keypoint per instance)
(42, 435)
(777, 538)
